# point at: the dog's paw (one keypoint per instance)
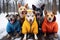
(17, 35)
(44, 35)
(36, 38)
(24, 38)
(55, 35)
(8, 36)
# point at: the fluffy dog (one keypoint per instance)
(50, 26)
(13, 26)
(39, 17)
(30, 24)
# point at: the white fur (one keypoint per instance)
(31, 16)
(50, 20)
(25, 37)
(36, 38)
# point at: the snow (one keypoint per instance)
(3, 23)
(58, 21)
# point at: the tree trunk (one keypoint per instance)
(59, 6)
(54, 7)
(3, 7)
(0, 6)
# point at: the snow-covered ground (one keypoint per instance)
(3, 23)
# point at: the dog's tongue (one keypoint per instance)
(12, 21)
(38, 17)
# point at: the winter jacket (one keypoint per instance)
(50, 27)
(13, 27)
(26, 28)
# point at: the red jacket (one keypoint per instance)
(50, 26)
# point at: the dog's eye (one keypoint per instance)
(51, 15)
(24, 9)
(47, 15)
(27, 16)
(32, 15)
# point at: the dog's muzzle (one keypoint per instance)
(49, 18)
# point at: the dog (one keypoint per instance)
(30, 24)
(40, 18)
(50, 26)
(22, 12)
(13, 25)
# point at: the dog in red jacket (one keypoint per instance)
(50, 26)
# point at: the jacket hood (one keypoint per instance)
(54, 19)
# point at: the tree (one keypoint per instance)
(3, 6)
(54, 6)
(7, 1)
(0, 6)
(59, 5)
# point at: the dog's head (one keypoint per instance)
(22, 10)
(11, 18)
(39, 11)
(30, 16)
(50, 16)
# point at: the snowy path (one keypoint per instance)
(3, 23)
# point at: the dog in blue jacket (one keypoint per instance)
(13, 26)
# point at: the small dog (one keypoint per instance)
(30, 24)
(50, 26)
(21, 14)
(22, 10)
(13, 26)
(39, 17)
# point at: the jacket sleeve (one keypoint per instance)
(18, 27)
(24, 31)
(35, 28)
(8, 28)
(56, 28)
(43, 27)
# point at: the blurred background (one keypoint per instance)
(11, 5)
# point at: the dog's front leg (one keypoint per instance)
(24, 36)
(35, 36)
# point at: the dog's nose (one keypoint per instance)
(49, 18)
(30, 20)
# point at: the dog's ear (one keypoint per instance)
(45, 12)
(43, 6)
(7, 15)
(33, 7)
(26, 5)
(53, 12)
(34, 12)
(19, 5)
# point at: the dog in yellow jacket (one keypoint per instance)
(30, 24)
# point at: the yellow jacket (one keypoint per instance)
(26, 28)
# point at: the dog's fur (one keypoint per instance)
(13, 25)
(39, 17)
(50, 26)
(30, 24)
(22, 12)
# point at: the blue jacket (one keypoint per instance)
(13, 27)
